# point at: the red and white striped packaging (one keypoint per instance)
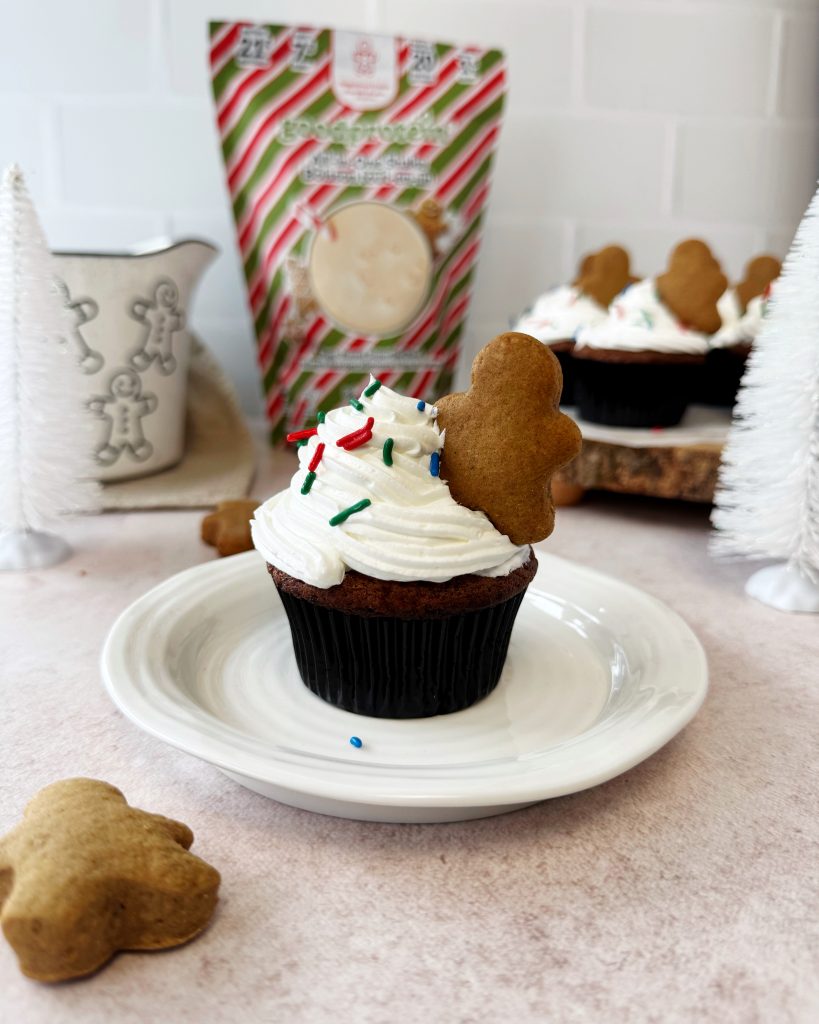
(358, 167)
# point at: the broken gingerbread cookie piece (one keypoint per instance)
(227, 528)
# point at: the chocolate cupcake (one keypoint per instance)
(641, 367)
(560, 314)
(401, 601)
(742, 310)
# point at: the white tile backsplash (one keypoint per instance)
(23, 140)
(679, 62)
(633, 121)
(86, 46)
(799, 74)
(793, 156)
(536, 37)
(518, 261)
(597, 166)
(155, 153)
(721, 172)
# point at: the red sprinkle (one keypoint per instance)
(300, 435)
(317, 454)
(358, 437)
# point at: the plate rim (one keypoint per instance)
(507, 791)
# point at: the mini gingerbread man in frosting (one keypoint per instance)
(506, 436)
(760, 272)
(604, 274)
(692, 285)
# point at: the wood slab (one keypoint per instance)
(688, 472)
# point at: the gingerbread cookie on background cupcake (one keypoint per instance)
(557, 316)
(402, 549)
(640, 367)
(742, 310)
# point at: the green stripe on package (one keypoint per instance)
(358, 168)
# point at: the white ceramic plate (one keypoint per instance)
(599, 675)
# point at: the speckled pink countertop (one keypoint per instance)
(685, 890)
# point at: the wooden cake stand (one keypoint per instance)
(675, 462)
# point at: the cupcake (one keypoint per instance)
(557, 316)
(742, 310)
(641, 366)
(400, 599)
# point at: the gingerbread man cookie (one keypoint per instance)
(604, 274)
(691, 286)
(430, 218)
(759, 273)
(506, 436)
(84, 875)
(227, 528)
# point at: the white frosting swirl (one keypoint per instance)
(412, 530)
(560, 314)
(638, 321)
(737, 327)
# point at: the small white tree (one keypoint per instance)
(45, 445)
(767, 502)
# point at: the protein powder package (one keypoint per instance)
(358, 168)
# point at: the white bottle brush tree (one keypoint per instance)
(45, 446)
(767, 502)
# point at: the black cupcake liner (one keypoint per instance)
(567, 365)
(400, 668)
(634, 394)
(721, 378)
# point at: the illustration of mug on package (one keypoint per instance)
(358, 168)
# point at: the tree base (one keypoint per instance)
(31, 549)
(784, 587)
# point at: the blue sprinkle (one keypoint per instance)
(355, 741)
(421, 406)
(434, 463)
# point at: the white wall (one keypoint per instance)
(638, 121)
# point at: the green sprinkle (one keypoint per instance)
(302, 443)
(345, 513)
(320, 417)
(386, 452)
(308, 483)
(371, 390)
(354, 402)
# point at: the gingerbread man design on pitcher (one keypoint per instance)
(81, 312)
(161, 319)
(124, 407)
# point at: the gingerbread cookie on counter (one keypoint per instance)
(227, 528)
(84, 875)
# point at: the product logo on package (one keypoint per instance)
(365, 70)
(365, 58)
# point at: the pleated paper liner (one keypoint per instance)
(388, 667)
(634, 394)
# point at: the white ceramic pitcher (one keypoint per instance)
(128, 315)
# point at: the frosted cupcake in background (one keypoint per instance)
(557, 316)
(640, 366)
(742, 310)
(400, 599)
